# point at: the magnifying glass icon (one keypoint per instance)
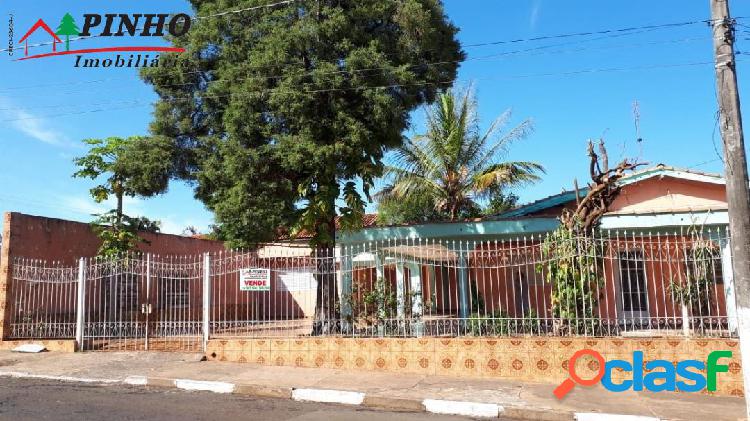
(565, 387)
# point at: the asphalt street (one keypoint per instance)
(24, 399)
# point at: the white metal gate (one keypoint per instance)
(140, 303)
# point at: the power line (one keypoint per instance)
(34, 107)
(700, 164)
(336, 71)
(246, 9)
(49, 205)
(541, 51)
(610, 33)
(567, 35)
(95, 110)
(588, 33)
(391, 86)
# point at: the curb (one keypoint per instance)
(393, 404)
(344, 397)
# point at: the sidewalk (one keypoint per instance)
(387, 390)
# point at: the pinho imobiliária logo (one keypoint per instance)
(683, 376)
(118, 26)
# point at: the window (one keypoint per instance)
(633, 282)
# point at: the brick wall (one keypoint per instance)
(52, 239)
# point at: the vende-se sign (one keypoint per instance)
(255, 279)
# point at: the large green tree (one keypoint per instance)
(281, 115)
(455, 167)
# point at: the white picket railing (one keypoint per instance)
(617, 283)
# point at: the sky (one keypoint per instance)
(573, 88)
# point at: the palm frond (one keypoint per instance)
(506, 175)
(454, 164)
(502, 145)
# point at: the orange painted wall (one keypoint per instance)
(669, 194)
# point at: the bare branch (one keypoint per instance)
(603, 190)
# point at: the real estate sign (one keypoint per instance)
(255, 279)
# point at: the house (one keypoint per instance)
(494, 268)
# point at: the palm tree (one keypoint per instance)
(456, 165)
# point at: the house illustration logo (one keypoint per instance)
(120, 26)
(40, 24)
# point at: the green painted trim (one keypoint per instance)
(671, 172)
(664, 221)
(456, 230)
(552, 201)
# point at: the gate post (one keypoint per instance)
(81, 293)
(206, 298)
(147, 313)
(6, 277)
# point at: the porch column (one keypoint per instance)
(463, 284)
(729, 291)
(433, 291)
(378, 267)
(382, 311)
(400, 299)
(347, 256)
(415, 278)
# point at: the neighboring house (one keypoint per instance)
(491, 266)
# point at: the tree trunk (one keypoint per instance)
(327, 309)
(326, 297)
(119, 207)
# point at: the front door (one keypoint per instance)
(633, 289)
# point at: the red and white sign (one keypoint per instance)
(255, 279)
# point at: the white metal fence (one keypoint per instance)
(613, 283)
(43, 300)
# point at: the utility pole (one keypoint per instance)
(735, 167)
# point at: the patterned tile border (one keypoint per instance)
(542, 360)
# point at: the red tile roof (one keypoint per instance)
(368, 220)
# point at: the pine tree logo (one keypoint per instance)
(67, 27)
